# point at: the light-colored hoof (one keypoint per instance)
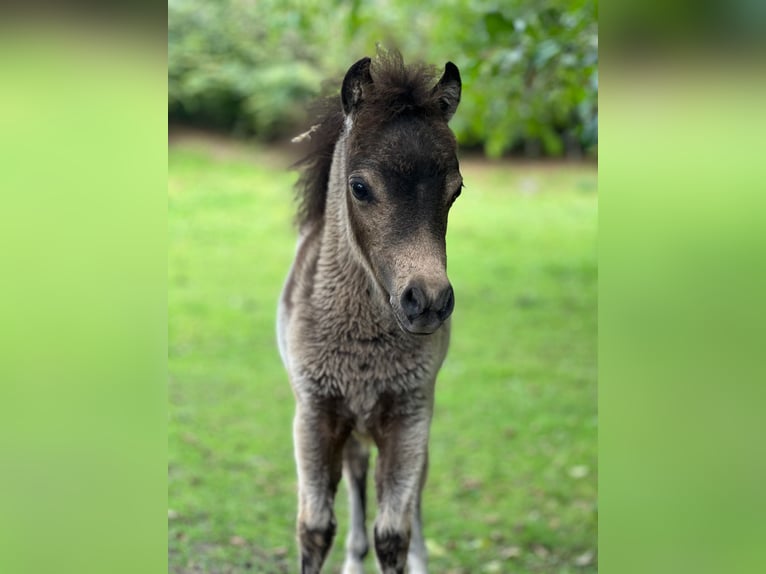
(416, 565)
(352, 567)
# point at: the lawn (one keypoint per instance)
(513, 476)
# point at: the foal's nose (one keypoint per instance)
(419, 302)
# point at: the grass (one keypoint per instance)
(512, 484)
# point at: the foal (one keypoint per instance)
(363, 318)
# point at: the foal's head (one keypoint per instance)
(402, 176)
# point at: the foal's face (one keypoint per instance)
(399, 189)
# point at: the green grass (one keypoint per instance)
(512, 484)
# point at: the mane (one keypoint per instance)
(311, 189)
(398, 91)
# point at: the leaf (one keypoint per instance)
(551, 141)
(472, 483)
(546, 50)
(434, 548)
(584, 559)
(579, 471)
(497, 25)
(510, 552)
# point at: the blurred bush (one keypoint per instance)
(529, 67)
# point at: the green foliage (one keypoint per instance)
(538, 76)
(513, 446)
(241, 65)
(529, 66)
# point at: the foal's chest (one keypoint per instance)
(361, 365)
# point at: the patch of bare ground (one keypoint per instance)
(282, 154)
(224, 147)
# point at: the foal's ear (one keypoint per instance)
(357, 78)
(448, 90)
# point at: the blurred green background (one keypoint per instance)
(513, 479)
(250, 67)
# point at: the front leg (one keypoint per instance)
(417, 557)
(356, 458)
(403, 448)
(319, 436)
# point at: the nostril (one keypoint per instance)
(448, 303)
(413, 302)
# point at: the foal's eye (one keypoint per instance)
(360, 190)
(455, 195)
